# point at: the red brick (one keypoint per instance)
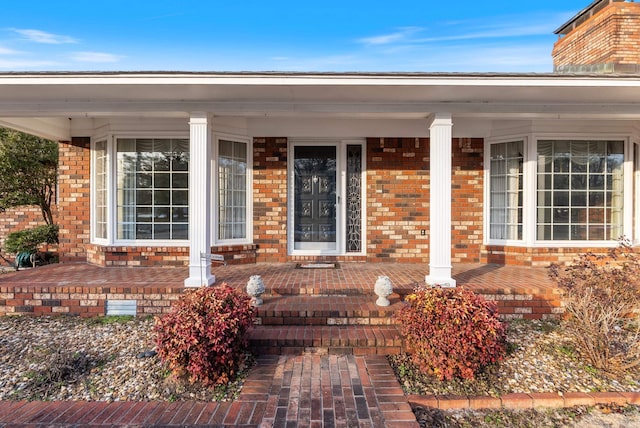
(517, 401)
(547, 399)
(484, 402)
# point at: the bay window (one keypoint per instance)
(580, 190)
(555, 190)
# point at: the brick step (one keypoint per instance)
(342, 340)
(329, 289)
(327, 310)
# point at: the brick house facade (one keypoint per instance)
(426, 168)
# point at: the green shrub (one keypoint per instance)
(601, 296)
(28, 240)
(204, 336)
(451, 332)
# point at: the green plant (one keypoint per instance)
(204, 336)
(567, 349)
(28, 240)
(28, 171)
(601, 296)
(452, 332)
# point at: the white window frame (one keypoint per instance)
(487, 191)
(112, 191)
(341, 191)
(530, 207)
(94, 193)
(216, 194)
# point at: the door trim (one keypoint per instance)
(341, 145)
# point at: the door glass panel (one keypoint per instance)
(315, 198)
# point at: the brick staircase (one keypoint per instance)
(326, 323)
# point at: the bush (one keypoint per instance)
(204, 336)
(601, 296)
(28, 240)
(451, 332)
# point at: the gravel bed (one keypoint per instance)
(103, 359)
(541, 358)
(69, 358)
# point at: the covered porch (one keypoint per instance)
(447, 170)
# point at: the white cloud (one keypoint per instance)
(399, 36)
(7, 51)
(39, 36)
(497, 28)
(26, 64)
(100, 57)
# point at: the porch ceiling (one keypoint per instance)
(397, 96)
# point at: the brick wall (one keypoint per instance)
(611, 36)
(397, 200)
(467, 193)
(74, 198)
(397, 219)
(109, 255)
(19, 218)
(84, 301)
(270, 199)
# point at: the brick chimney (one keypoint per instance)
(603, 38)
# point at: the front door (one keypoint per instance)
(315, 198)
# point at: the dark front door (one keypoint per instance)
(315, 198)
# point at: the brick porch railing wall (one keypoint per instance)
(19, 218)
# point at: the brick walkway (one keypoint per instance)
(281, 391)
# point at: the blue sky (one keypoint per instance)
(326, 35)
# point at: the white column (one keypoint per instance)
(440, 202)
(199, 202)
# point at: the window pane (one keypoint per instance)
(180, 231)
(144, 231)
(144, 180)
(584, 174)
(180, 214)
(162, 197)
(145, 195)
(161, 231)
(180, 181)
(180, 197)
(162, 181)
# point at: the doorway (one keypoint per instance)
(325, 197)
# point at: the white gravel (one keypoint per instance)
(35, 351)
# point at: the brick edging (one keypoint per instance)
(524, 401)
